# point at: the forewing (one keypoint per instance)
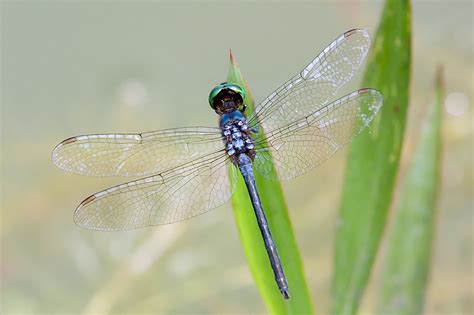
(135, 154)
(317, 84)
(300, 146)
(174, 195)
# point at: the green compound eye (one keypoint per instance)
(225, 86)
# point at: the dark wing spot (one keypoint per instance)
(350, 32)
(69, 140)
(88, 200)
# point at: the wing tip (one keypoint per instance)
(54, 153)
(77, 212)
(374, 92)
(356, 31)
(353, 31)
(79, 217)
(376, 95)
(84, 222)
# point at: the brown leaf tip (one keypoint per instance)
(231, 55)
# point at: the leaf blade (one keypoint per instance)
(406, 263)
(373, 160)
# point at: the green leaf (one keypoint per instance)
(373, 160)
(276, 211)
(407, 257)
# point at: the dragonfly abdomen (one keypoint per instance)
(245, 165)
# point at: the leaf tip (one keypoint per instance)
(233, 62)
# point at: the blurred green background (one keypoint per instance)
(70, 68)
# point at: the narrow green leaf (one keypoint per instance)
(407, 257)
(373, 160)
(276, 211)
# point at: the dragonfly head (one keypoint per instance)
(226, 98)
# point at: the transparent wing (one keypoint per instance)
(316, 84)
(300, 146)
(178, 194)
(135, 154)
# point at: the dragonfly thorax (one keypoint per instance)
(237, 135)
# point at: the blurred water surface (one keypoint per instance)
(70, 68)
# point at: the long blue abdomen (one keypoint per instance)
(245, 166)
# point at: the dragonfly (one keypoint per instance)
(189, 171)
